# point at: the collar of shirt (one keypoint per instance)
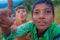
(45, 36)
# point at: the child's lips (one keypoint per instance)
(21, 16)
(41, 23)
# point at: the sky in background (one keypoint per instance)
(4, 3)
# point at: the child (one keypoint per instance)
(21, 15)
(42, 27)
(20, 18)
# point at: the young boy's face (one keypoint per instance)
(42, 15)
(22, 13)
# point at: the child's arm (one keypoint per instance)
(5, 20)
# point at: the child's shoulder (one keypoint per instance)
(30, 21)
(55, 31)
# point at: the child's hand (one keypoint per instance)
(5, 20)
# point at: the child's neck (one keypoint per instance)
(24, 21)
(40, 32)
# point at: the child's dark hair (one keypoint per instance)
(44, 1)
(20, 7)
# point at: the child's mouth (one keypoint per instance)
(42, 23)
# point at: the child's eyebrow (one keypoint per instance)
(47, 9)
(43, 9)
(36, 9)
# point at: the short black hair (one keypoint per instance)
(20, 7)
(44, 1)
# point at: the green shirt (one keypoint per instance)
(23, 29)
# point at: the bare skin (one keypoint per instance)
(42, 17)
(5, 20)
(21, 15)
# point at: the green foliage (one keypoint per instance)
(56, 2)
(28, 4)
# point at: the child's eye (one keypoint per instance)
(36, 12)
(47, 12)
(18, 11)
(23, 11)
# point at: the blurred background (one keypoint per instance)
(29, 3)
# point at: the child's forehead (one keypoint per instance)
(20, 9)
(42, 6)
